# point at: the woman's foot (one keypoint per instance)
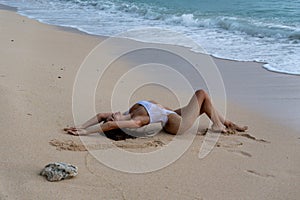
(235, 127)
(219, 128)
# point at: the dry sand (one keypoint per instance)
(38, 66)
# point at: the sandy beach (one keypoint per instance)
(38, 68)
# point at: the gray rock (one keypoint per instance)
(58, 171)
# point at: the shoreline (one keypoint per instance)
(39, 63)
(60, 27)
(77, 30)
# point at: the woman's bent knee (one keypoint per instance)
(201, 93)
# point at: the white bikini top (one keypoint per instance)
(156, 112)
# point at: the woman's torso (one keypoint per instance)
(150, 112)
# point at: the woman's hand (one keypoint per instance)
(73, 128)
(77, 132)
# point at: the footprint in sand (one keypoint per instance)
(243, 153)
(253, 172)
(229, 143)
(247, 135)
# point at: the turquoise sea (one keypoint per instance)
(252, 30)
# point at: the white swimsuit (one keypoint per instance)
(156, 112)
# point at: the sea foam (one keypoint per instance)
(236, 30)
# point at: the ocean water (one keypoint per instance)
(249, 30)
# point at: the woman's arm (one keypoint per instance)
(100, 117)
(110, 125)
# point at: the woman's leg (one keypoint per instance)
(201, 103)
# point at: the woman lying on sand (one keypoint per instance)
(146, 112)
